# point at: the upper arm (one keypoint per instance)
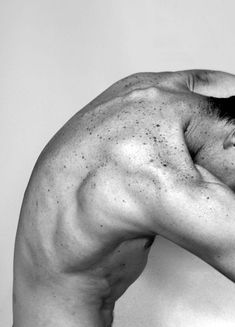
(200, 217)
(179, 204)
(197, 215)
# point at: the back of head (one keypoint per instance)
(222, 108)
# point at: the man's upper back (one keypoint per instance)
(119, 169)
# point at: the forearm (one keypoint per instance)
(210, 83)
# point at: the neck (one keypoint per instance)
(195, 132)
(203, 131)
(203, 134)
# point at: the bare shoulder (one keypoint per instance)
(140, 91)
(145, 166)
(130, 128)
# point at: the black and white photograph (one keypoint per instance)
(117, 163)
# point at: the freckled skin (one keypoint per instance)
(115, 176)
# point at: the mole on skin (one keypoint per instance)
(103, 191)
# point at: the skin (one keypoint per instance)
(140, 160)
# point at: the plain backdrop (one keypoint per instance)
(56, 56)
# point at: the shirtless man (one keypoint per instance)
(133, 164)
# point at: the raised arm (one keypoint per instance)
(208, 82)
(200, 217)
(188, 206)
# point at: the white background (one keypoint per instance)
(56, 56)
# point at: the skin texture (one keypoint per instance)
(131, 165)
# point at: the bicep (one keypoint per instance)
(200, 218)
(196, 215)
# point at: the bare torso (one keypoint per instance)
(71, 260)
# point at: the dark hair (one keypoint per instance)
(222, 109)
